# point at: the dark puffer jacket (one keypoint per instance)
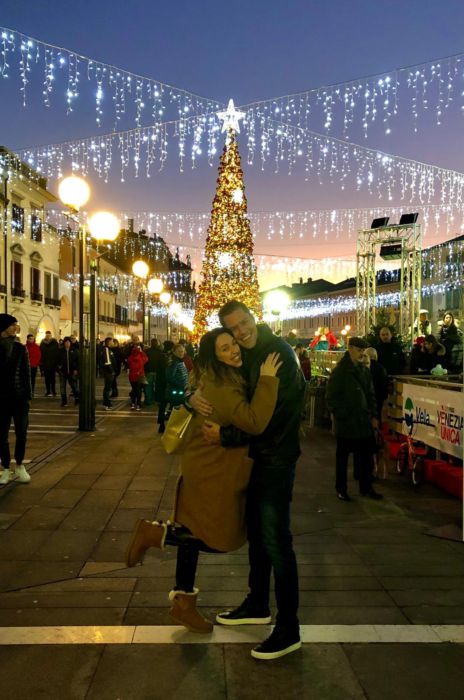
(15, 372)
(279, 444)
(351, 399)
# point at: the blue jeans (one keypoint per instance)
(270, 542)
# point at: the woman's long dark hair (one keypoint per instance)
(207, 359)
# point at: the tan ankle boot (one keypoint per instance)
(185, 611)
(146, 534)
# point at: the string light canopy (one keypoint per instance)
(115, 90)
(319, 158)
(433, 86)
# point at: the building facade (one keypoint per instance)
(29, 255)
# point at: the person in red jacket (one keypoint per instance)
(35, 357)
(136, 363)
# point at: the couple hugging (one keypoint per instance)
(237, 483)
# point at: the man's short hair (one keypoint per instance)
(30, 335)
(230, 307)
(356, 342)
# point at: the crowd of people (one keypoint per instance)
(438, 354)
(245, 388)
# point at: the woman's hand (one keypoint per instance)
(271, 365)
(200, 404)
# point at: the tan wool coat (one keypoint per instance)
(211, 489)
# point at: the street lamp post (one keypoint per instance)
(165, 298)
(74, 192)
(154, 287)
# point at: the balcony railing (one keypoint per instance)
(36, 296)
(50, 301)
(106, 319)
(17, 292)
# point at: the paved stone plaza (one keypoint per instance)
(382, 602)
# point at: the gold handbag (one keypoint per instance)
(176, 434)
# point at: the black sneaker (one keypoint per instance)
(245, 614)
(279, 643)
(343, 497)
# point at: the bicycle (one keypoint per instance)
(411, 456)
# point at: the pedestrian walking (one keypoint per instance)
(118, 358)
(176, 384)
(68, 369)
(210, 498)
(108, 368)
(136, 363)
(269, 495)
(15, 395)
(155, 357)
(35, 356)
(351, 401)
(49, 349)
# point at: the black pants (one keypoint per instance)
(363, 462)
(71, 380)
(114, 387)
(136, 393)
(50, 386)
(188, 551)
(33, 377)
(270, 542)
(19, 412)
(108, 378)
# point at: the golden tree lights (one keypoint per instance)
(229, 270)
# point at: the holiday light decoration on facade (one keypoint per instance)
(228, 271)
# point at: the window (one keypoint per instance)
(35, 284)
(17, 278)
(48, 285)
(56, 287)
(36, 226)
(17, 218)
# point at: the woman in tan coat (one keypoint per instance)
(209, 512)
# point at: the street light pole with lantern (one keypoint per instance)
(154, 286)
(74, 192)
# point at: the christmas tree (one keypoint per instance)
(228, 271)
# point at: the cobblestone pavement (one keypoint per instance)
(382, 602)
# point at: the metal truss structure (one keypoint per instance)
(405, 242)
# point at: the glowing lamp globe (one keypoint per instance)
(140, 269)
(165, 298)
(276, 302)
(104, 226)
(175, 308)
(155, 286)
(74, 192)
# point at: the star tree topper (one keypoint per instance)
(231, 117)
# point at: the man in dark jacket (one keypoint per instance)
(351, 400)
(156, 358)
(108, 369)
(269, 494)
(49, 350)
(68, 369)
(390, 353)
(15, 395)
